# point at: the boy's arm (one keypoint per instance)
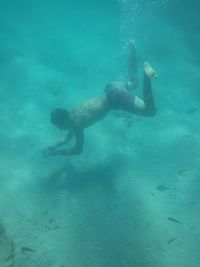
(64, 140)
(49, 150)
(77, 149)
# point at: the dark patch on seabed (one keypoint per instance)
(74, 180)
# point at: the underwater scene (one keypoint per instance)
(124, 192)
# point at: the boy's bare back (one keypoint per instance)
(90, 112)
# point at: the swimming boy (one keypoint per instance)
(117, 95)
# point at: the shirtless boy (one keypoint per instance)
(117, 95)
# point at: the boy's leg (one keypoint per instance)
(132, 68)
(146, 107)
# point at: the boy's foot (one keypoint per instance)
(149, 71)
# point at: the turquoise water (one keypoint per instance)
(132, 197)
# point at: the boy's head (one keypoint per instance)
(61, 118)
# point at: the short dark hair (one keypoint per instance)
(59, 115)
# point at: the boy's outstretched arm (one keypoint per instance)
(47, 151)
(77, 149)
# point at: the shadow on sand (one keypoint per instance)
(75, 179)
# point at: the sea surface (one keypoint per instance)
(131, 199)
